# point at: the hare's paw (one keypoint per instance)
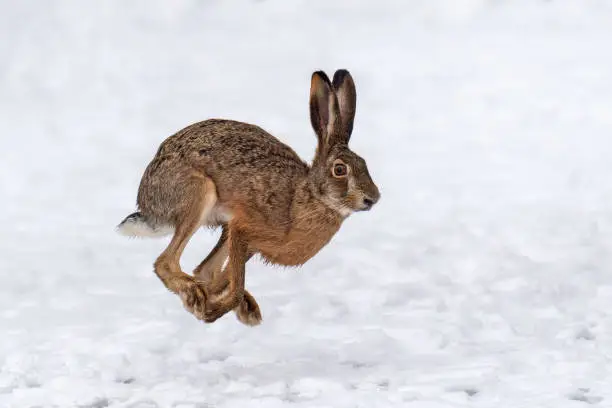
(214, 311)
(218, 307)
(194, 298)
(248, 311)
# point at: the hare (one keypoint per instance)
(234, 175)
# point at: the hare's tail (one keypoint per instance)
(137, 225)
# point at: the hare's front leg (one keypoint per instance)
(211, 269)
(228, 287)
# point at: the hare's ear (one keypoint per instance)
(324, 113)
(344, 87)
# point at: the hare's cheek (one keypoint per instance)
(350, 193)
(340, 190)
(351, 186)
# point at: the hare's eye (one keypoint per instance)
(340, 170)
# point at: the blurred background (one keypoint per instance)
(482, 278)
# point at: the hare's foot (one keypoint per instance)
(193, 296)
(217, 309)
(248, 311)
(221, 301)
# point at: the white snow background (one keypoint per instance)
(482, 278)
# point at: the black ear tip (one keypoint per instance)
(340, 75)
(322, 75)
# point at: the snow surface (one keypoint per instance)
(481, 279)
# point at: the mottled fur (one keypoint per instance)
(267, 200)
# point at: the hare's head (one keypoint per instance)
(340, 176)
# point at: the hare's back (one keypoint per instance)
(235, 154)
(230, 142)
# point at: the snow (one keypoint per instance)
(481, 279)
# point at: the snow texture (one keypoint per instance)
(481, 279)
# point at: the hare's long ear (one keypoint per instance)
(344, 87)
(324, 113)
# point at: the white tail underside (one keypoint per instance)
(136, 226)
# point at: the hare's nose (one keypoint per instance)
(369, 202)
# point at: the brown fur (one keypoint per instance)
(267, 200)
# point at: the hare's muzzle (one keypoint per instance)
(369, 201)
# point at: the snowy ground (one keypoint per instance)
(482, 279)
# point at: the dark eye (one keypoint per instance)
(340, 170)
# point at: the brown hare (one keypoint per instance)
(257, 189)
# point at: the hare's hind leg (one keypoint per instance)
(211, 269)
(199, 197)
